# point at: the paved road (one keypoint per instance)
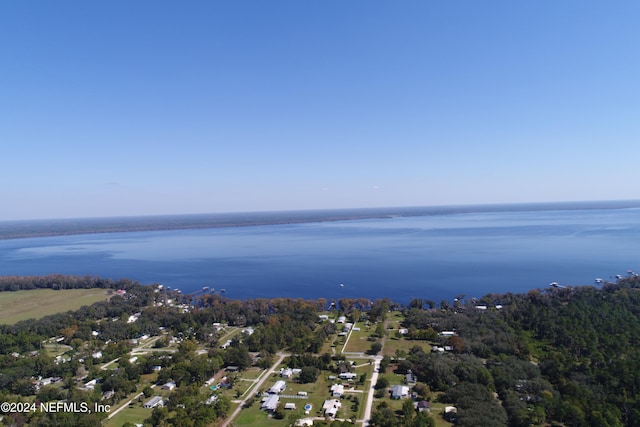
(374, 378)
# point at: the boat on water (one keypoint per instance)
(598, 280)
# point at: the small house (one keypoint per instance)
(348, 376)
(337, 390)
(331, 407)
(286, 373)
(399, 391)
(270, 403)
(153, 402)
(278, 387)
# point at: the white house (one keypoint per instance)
(399, 391)
(169, 386)
(278, 387)
(337, 390)
(270, 403)
(153, 402)
(348, 376)
(286, 373)
(331, 407)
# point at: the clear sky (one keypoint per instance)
(160, 107)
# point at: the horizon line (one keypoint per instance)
(577, 203)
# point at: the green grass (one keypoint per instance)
(358, 341)
(135, 414)
(253, 416)
(37, 303)
(392, 344)
(54, 350)
(317, 393)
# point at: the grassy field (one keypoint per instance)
(37, 303)
(393, 344)
(358, 341)
(134, 414)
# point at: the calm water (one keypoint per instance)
(434, 257)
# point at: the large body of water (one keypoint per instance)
(434, 256)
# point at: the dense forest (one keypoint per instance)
(553, 357)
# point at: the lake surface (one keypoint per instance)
(434, 256)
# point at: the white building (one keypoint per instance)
(399, 391)
(348, 376)
(270, 403)
(331, 407)
(337, 390)
(153, 402)
(169, 386)
(278, 387)
(286, 373)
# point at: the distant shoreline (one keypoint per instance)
(61, 227)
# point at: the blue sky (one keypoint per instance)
(156, 107)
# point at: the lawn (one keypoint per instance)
(37, 303)
(392, 344)
(135, 414)
(317, 393)
(358, 342)
(54, 350)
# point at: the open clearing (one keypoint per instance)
(37, 303)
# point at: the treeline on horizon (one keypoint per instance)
(59, 227)
(61, 281)
(553, 357)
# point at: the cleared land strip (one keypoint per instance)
(37, 303)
